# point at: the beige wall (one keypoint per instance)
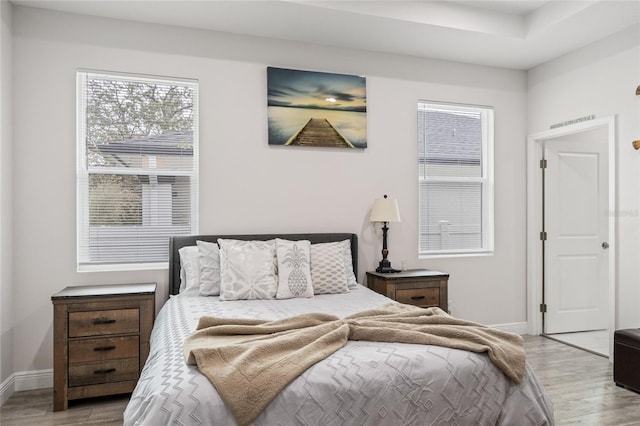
(6, 191)
(601, 79)
(247, 186)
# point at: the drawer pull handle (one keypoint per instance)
(417, 297)
(104, 348)
(105, 371)
(99, 321)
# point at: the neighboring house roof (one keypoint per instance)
(178, 143)
(450, 138)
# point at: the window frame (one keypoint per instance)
(83, 170)
(486, 180)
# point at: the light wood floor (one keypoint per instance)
(579, 383)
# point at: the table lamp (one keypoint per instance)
(385, 210)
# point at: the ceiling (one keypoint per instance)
(518, 34)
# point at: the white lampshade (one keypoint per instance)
(385, 210)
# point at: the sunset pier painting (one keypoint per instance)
(307, 108)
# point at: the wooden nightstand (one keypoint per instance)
(419, 287)
(100, 339)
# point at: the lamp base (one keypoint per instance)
(385, 267)
(386, 270)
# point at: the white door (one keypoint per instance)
(576, 222)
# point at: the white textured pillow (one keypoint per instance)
(294, 273)
(247, 269)
(327, 268)
(348, 264)
(189, 270)
(209, 268)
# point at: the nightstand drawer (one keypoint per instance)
(105, 348)
(103, 372)
(423, 297)
(96, 323)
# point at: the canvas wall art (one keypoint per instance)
(307, 108)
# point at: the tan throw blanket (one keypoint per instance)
(250, 361)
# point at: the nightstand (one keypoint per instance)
(100, 339)
(419, 287)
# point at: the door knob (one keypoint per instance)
(605, 245)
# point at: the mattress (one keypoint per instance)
(364, 383)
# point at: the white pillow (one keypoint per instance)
(348, 264)
(294, 273)
(328, 272)
(247, 269)
(209, 268)
(189, 270)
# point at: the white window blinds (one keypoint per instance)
(455, 179)
(137, 167)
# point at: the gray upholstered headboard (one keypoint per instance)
(176, 243)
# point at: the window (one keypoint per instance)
(455, 179)
(137, 168)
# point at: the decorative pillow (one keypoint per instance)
(294, 273)
(348, 264)
(327, 268)
(209, 268)
(189, 270)
(247, 269)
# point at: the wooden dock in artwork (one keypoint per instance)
(319, 132)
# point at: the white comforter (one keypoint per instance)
(363, 383)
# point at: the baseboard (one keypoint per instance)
(7, 388)
(37, 379)
(516, 327)
(25, 380)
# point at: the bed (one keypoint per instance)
(364, 383)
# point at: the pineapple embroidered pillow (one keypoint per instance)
(294, 274)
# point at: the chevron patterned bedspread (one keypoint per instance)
(364, 383)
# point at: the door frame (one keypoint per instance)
(534, 218)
